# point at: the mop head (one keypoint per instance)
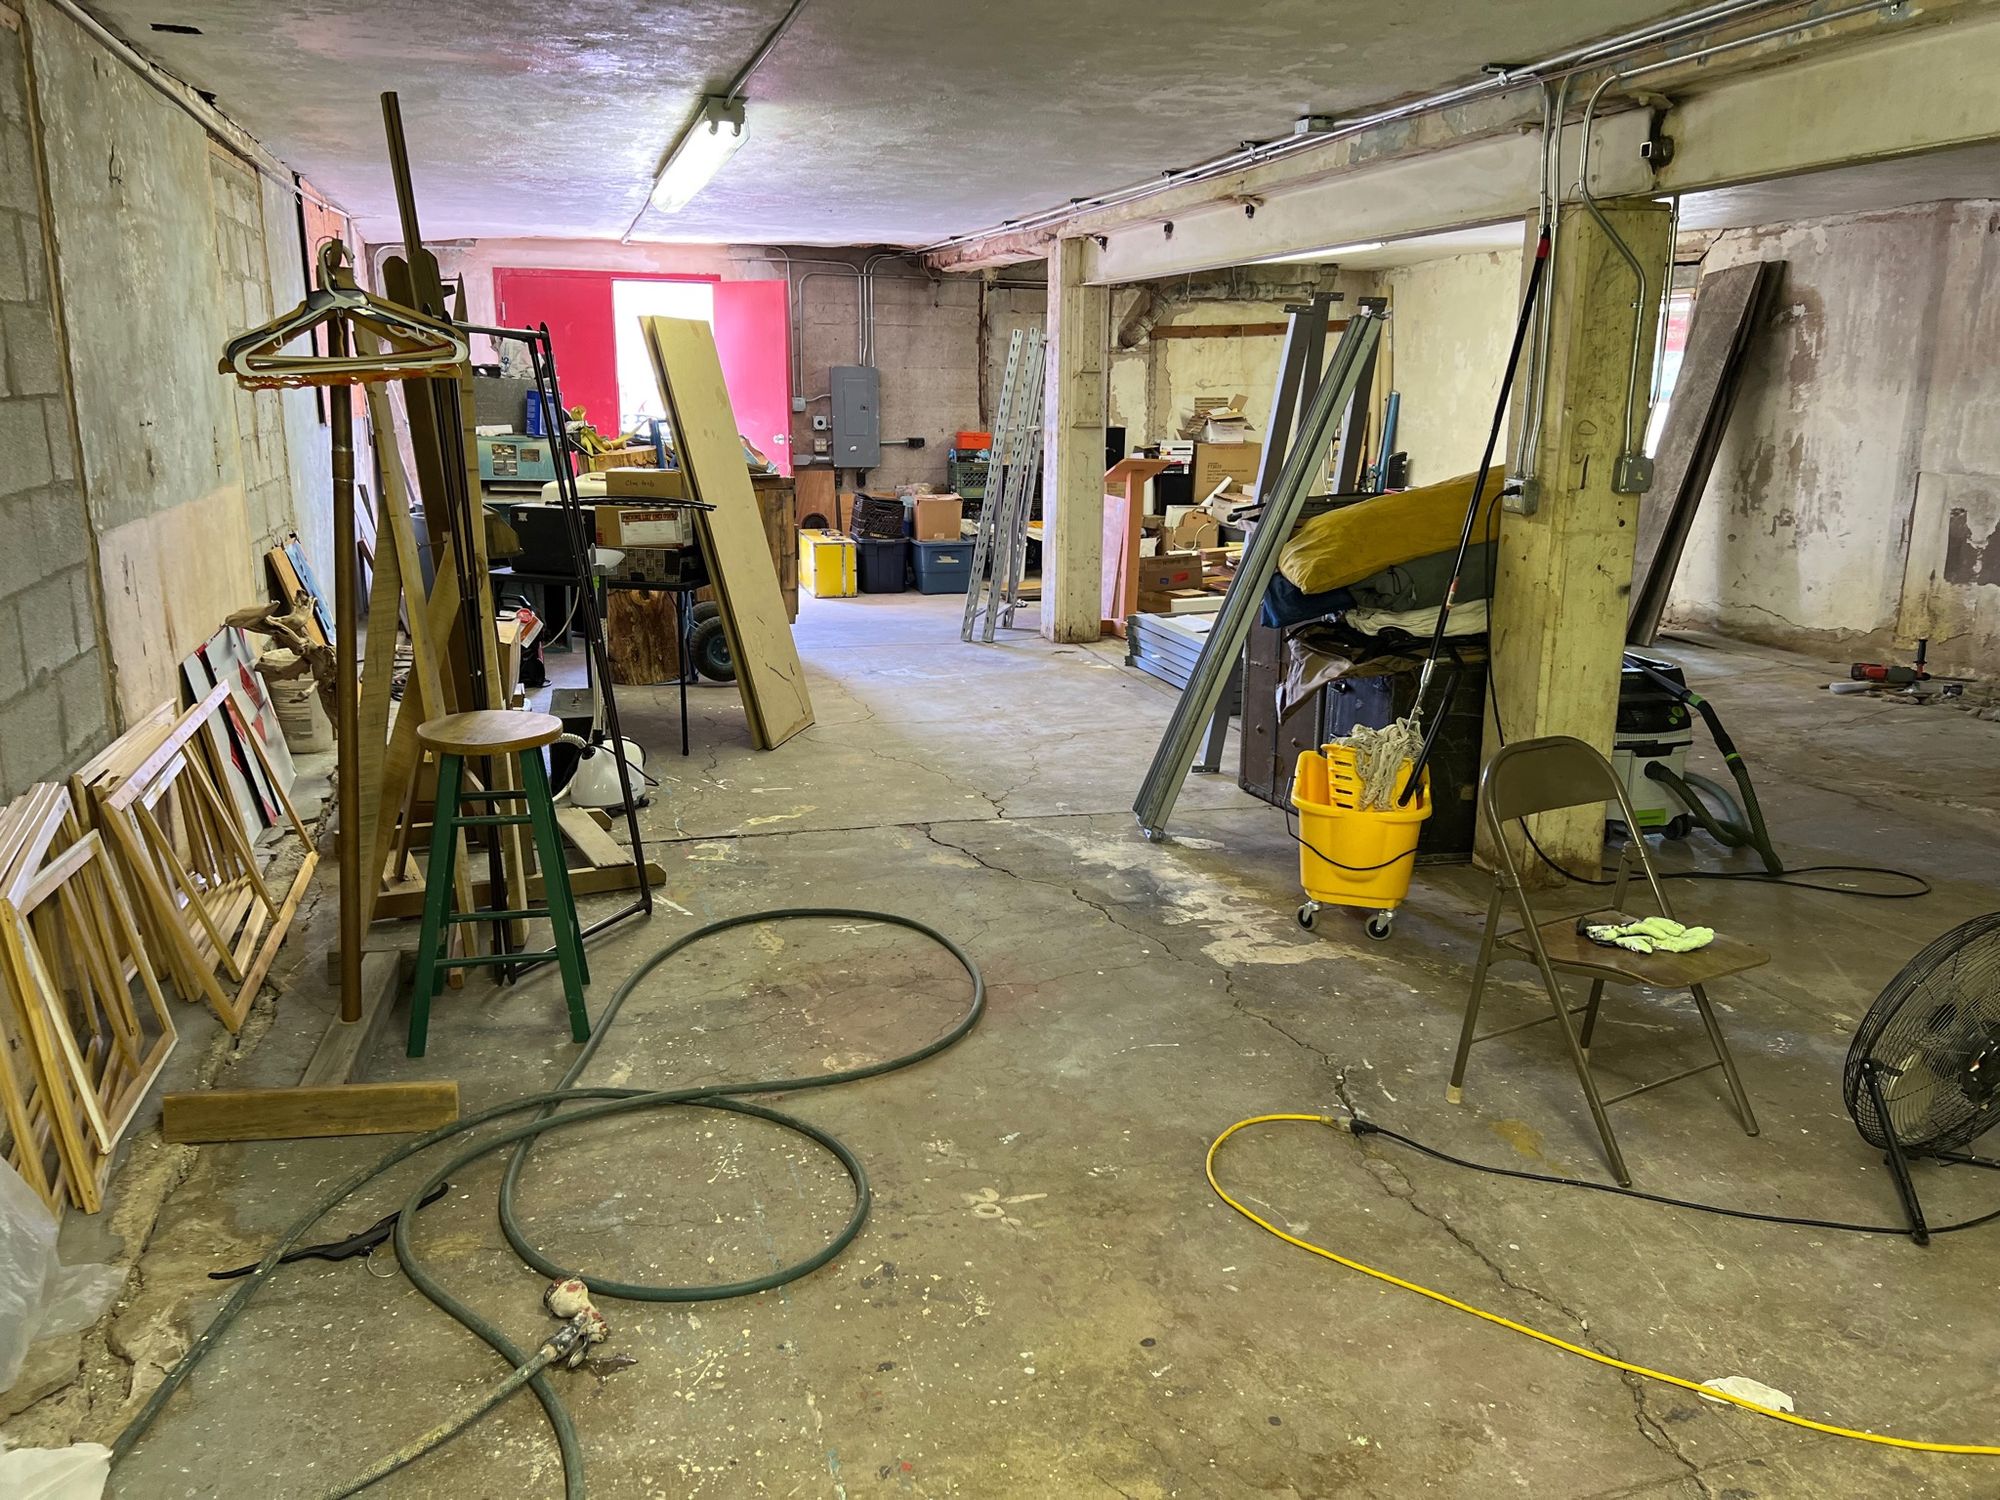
(1379, 758)
(1648, 935)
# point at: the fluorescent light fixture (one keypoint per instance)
(699, 155)
(1332, 252)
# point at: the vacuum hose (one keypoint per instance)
(1746, 829)
(562, 1108)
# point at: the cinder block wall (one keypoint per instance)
(138, 487)
(54, 704)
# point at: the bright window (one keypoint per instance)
(638, 390)
(1680, 310)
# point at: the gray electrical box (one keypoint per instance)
(857, 416)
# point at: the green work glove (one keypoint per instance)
(1649, 935)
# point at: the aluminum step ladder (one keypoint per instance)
(1000, 553)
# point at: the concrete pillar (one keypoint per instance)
(1564, 577)
(1079, 330)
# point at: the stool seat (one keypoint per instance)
(489, 731)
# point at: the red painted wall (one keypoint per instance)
(752, 324)
(577, 307)
(752, 334)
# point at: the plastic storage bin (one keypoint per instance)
(943, 567)
(883, 565)
(1350, 855)
(826, 564)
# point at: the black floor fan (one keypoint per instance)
(1923, 1073)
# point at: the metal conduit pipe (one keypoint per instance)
(1574, 60)
(860, 310)
(868, 287)
(1549, 197)
(1635, 441)
(795, 300)
(764, 49)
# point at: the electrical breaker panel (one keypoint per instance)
(857, 416)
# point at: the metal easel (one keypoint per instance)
(582, 540)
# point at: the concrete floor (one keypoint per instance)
(1047, 1300)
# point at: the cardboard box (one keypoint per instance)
(1223, 413)
(1215, 462)
(1180, 602)
(1193, 531)
(627, 526)
(668, 567)
(843, 510)
(935, 518)
(645, 484)
(1168, 571)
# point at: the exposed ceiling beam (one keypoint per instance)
(1802, 104)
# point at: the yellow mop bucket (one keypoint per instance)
(1350, 855)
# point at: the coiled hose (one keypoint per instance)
(549, 1114)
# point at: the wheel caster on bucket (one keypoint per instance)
(1307, 913)
(1382, 926)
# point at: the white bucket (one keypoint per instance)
(303, 720)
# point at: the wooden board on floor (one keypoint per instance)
(768, 672)
(344, 1043)
(298, 1113)
(778, 500)
(403, 899)
(590, 840)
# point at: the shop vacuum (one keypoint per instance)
(1655, 728)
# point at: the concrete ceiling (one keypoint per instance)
(874, 121)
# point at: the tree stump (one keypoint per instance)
(643, 639)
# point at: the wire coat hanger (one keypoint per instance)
(414, 346)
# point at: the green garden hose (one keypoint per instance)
(550, 1114)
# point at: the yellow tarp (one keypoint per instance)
(1358, 541)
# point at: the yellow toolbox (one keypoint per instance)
(827, 565)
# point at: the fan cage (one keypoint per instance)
(1933, 1036)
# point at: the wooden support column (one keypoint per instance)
(1564, 578)
(1079, 330)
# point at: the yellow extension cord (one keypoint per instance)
(1549, 1338)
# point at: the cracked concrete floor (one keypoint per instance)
(1047, 1300)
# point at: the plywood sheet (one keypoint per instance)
(768, 671)
(167, 585)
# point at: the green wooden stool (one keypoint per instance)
(483, 733)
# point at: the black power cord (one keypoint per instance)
(1361, 1127)
(1305, 843)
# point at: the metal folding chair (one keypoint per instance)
(1537, 776)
